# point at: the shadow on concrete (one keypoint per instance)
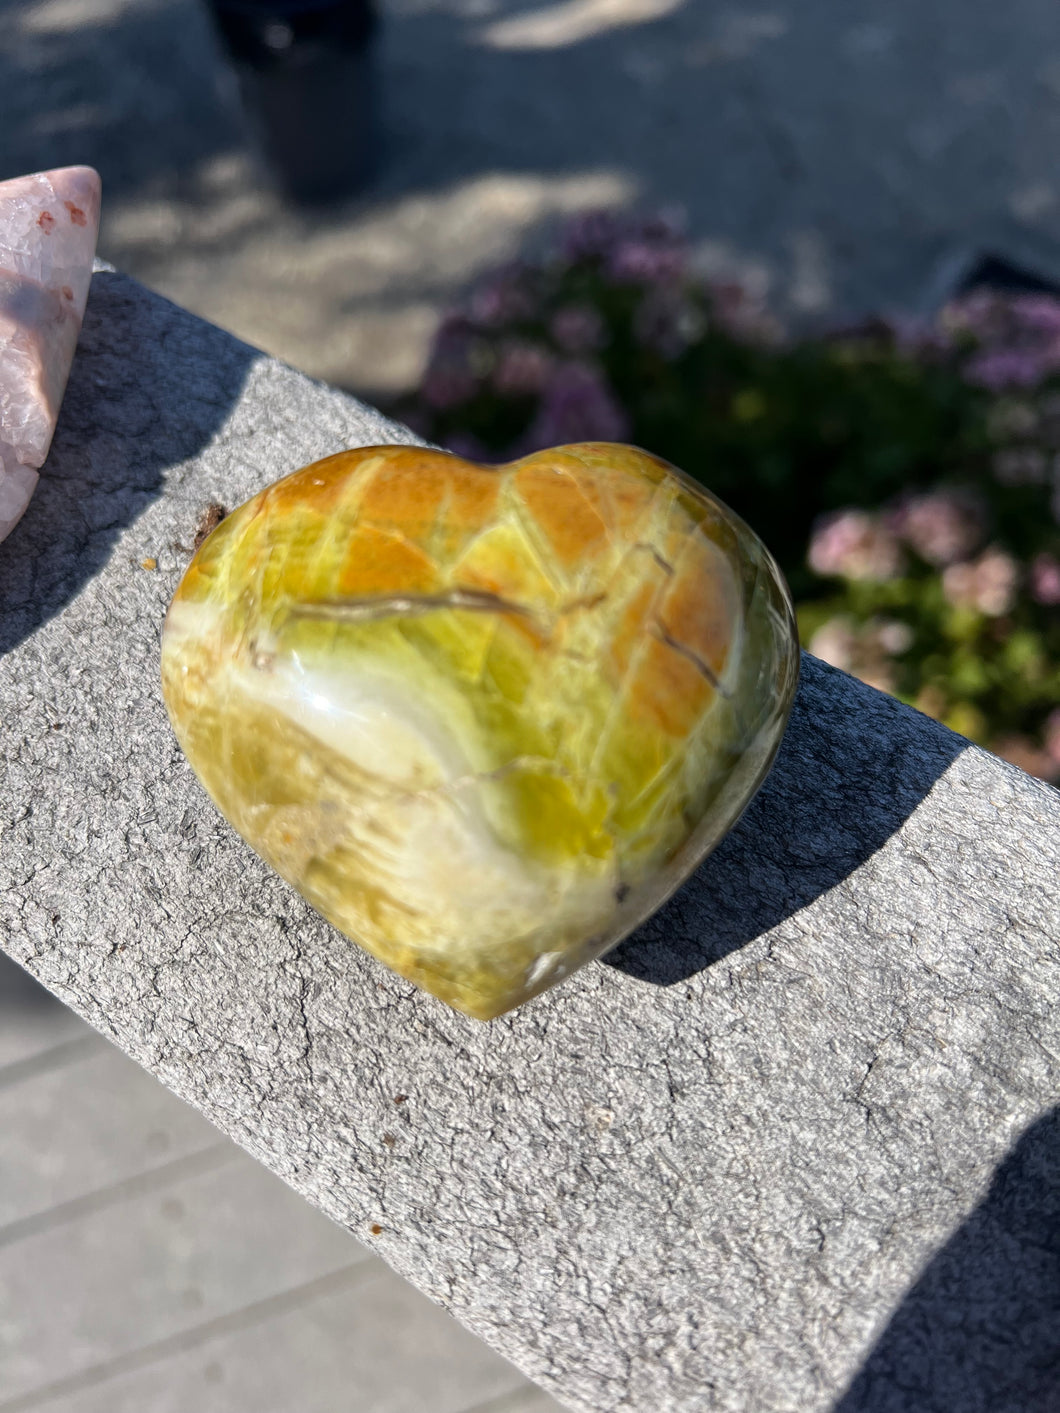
(980, 1330)
(130, 88)
(852, 768)
(132, 410)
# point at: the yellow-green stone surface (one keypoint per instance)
(484, 719)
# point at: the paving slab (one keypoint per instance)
(371, 1345)
(152, 1266)
(68, 1132)
(32, 1023)
(754, 1160)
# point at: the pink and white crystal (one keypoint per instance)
(48, 228)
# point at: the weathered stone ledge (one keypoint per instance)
(792, 1147)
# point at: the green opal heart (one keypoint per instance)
(484, 719)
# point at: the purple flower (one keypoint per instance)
(1017, 338)
(577, 406)
(943, 526)
(502, 298)
(453, 337)
(590, 235)
(445, 386)
(980, 314)
(451, 377)
(1045, 579)
(468, 446)
(987, 584)
(852, 544)
(638, 261)
(578, 328)
(1038, 313)
(1001, 368)
(522, 368)
(637, 250)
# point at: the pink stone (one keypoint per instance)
(48, 228)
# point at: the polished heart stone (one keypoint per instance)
(484, 719)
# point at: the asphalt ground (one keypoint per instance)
(842, 157)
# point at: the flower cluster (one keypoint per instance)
(1013, 340)
(906, 476)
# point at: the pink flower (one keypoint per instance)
(577, 406)
(893, 636)
(943, 526)
(852, 544)
(1021, 751)
(835, 642)
(1045, 579)
(522, 369)
(987, 584)
(866, 649)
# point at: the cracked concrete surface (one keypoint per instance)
(791, 1147)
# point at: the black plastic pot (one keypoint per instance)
(306, 75)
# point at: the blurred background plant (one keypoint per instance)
(907, 476)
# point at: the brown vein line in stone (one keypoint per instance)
(664, 564)
(587, 601)
(369, 609)
(694, 658)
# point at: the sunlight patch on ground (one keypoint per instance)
(50, 17)
(572, 21)
(352, 299)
